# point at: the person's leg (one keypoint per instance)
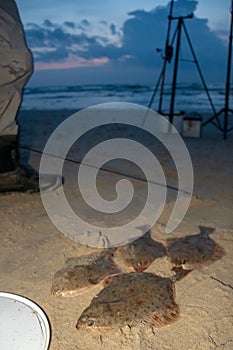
(16, 67)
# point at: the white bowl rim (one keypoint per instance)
(41, 316)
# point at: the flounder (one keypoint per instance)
(194, 252)
(82, 273)
(141, 253)
(130, 299)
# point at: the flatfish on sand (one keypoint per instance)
(194, 252)
(83, 272)
(130, 299)
(141, 253)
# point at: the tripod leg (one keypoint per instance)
(225, 128)
(162, 86)
(200, 74)
(211, 120)
(153, 96)
(173, 93)
(166, 57)
(156, 88)
(161, 79)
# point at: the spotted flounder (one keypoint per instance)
(83, 272)
(141, 253)
(130, 299)
(194, 252)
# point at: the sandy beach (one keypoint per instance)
(33, 249)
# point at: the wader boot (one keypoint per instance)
(15, 177)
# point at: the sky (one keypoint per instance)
(77, 41)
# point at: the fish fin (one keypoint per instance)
(163, 317)
(206, 229)
(218, 254)
(219, 251)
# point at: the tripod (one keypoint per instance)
(167, 59)
(226, 110)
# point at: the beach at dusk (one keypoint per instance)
(129, 108)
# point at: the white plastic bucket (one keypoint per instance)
(23, 324)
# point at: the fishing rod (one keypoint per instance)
(166, 59)
(168, 56)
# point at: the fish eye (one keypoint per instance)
(90, 322)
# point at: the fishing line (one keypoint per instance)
(104, 169)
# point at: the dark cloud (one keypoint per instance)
(35, 36)
(58, 54)
(85, 22)
(48, 23)
(84, 25)
(70, 24)
(141, 34)
(54, 43)
(31, 25)
(146, 31)
(113, 29)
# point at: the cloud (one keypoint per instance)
(113, 29)
(85, 22)
(71, 44)
(48, 23)
(146, 31)
(184, 7)
(53, 43)
(70, 24)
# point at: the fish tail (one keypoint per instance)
(206, 230)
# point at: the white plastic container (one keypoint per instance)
(192, 127)
(23, 324)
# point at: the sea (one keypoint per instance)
(189, 97)
(36, 126)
